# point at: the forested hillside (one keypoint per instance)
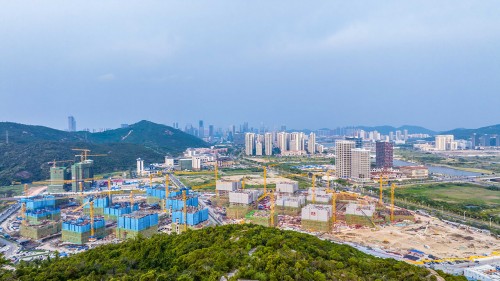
(25, 157)
(244, 251)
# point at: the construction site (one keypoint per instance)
(162, 203)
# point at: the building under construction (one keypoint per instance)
(99, 204)
(40, 229)
(192, 217)
(290, 204)
(60, 178)
(82, 175)
(261, 217)
(240, 202)
(38, 215)
(137, 223)
(317, 217)
(79, 231)
(119, 209)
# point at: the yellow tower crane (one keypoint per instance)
(25, 190)
(393, 186)
(272, 208)
(109, 189)
(167, 191)
(265, 179)
(184, 199)
(334, 207)
(313, 189)
(382, 181)
(23, 213)
(92, 230)
(84, 154)
(151, 180)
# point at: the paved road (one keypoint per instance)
(211, 215)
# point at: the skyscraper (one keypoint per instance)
(268, 143)
(384, 154)
(71, 124)
(343, 158)
(258, 148)
(311, 143)
(249, 143)
(211, 132)
(201, 129)
(360, 164)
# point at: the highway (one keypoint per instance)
(214, 218)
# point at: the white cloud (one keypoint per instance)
(106, 77)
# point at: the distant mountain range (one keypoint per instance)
(466, 133)
(385, 130)
(29, 149)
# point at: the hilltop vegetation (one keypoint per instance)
(25, 157)
(247, 251)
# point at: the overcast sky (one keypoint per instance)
(306, 64)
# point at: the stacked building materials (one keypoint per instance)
(289, 187)
(78, 231)
(194, 216)
(137, 223)
(114, 211)
(316, 217)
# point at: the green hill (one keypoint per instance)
(25, 157)
(467, 133)
(247, 251)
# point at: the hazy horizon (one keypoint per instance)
(305, 65)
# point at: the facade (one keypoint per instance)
(268, 143)
(59, 179)
(311, 143)
(343, 158)
(82, 174)
(283, 138)
(71, 124)
(384, 154)
(445, 142)
(358, 141)
(415, 172)
(249, 143)
(360, 164)
(201, 129)
(140, 167)
(287, 187)
(258, 148)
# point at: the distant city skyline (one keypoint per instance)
(324, 64)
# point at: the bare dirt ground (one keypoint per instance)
(429, 235)
(36, 190)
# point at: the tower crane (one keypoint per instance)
(272, 208)
(23, 213)
(167, 191)
(92, 237)
(184, 199)
(382, 181)
(54, 162)
(313, 188)
(85, 153)
(393, 186)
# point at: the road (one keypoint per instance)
(214, 218)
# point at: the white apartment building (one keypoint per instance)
(360, 164)
(249, 143)
(268, 143)
(311, 143)
(445, 142)
(343, 158)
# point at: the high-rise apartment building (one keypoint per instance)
(311, 143)
(249, 143)
(445, 142)
(360, 164)
(268, 143)
(384, 154)
(71, 124)
(283, 141)
(358, 141)
(258, 148)
(343, 158)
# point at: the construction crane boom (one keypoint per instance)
(393, 186)
(382, 182)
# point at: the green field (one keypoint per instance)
(478, 201)
(11, 190)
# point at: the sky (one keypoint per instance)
(305, 64)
